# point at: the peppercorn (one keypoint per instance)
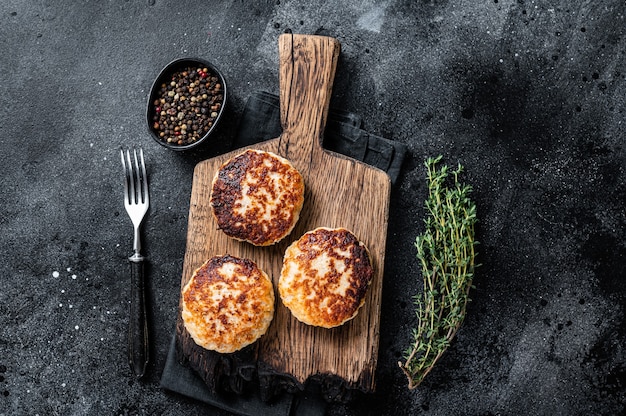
(185, 108)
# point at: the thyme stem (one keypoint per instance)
(446, 252)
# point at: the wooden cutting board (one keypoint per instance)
(340, 192)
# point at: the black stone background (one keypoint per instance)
(528, 95)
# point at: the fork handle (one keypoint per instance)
(138, 322)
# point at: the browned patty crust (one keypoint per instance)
(257, 197)
(325, 277)
(227, 304)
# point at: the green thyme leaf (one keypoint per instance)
(446, 253)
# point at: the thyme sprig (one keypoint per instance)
(446, 252)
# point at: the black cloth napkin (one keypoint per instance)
(260, 121)
(181, 379)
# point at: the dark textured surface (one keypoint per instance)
(528, 95)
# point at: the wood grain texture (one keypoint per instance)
(339, 192)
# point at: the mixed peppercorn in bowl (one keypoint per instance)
(186, 102)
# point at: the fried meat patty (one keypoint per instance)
(257, 197)
(325, 276)
(227, 304)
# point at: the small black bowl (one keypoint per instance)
(209, 107)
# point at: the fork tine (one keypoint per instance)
(138, 196)
(132, 197)
(126, 190)
(135, 177)
(146, 195)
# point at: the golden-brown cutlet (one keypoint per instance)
(227, 304)
(325, 277)
(257, 196)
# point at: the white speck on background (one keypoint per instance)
(74, 277)
(55, 274)
(76, 327)
(373, 19)
(438, 19)
(69, 269)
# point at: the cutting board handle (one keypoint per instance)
(306, 74)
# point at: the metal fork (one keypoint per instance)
(136, 201)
